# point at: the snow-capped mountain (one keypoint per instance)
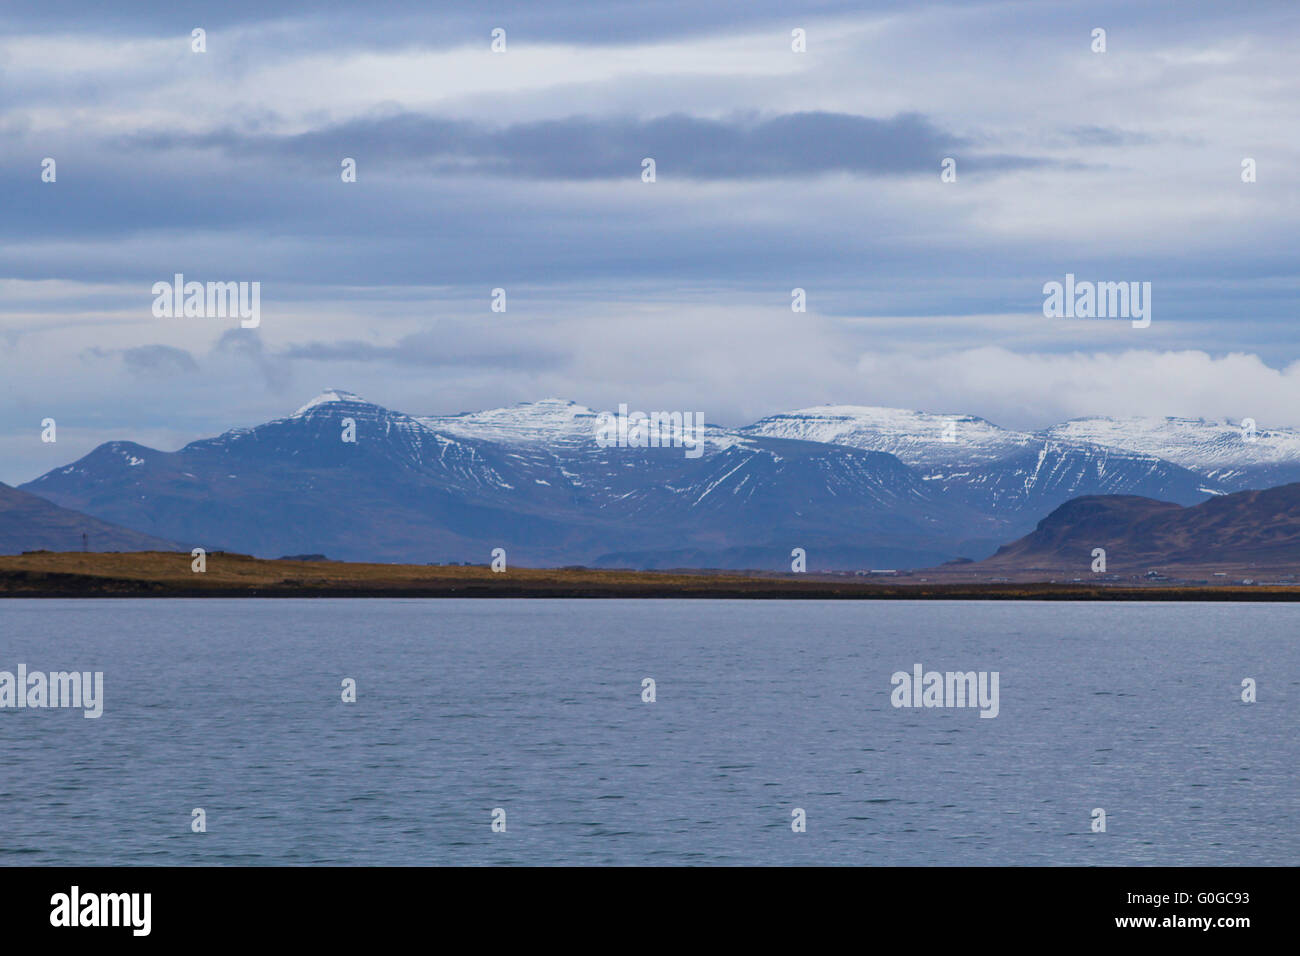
(852, 486)
(531, 479)
(915, 438)
(1046, 474)
(1226, 456)
(1011, 474)
(552, 421)
(1223, 451)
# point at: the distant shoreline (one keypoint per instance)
(168, 575)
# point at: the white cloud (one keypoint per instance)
(1033, 389)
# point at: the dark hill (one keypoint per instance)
(1259, 528)
(30, 523)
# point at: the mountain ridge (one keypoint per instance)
(893, 486)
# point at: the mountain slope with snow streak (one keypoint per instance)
(855, 486)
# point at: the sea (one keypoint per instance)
(653, 732)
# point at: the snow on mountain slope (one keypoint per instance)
(917, 438)
(1191, 442)
(549, 422)
(314, 436)
(328, 397)
(533, 478)
(1042, 476)
(1217, 451)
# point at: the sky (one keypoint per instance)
(522, 170)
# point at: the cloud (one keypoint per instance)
(449, 347)
(158, 360)
(1031, 390)
(582, 147)
(775, 170)
(396, 22)
(1104, 136)
(246, 347)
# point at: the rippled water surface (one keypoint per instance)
(762, 706)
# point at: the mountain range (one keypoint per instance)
(855, 487)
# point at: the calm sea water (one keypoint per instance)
(535, 707)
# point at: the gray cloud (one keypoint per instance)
(245, 345)
(740, 147)
(396, 22)
(158, 360)
(775, 171)
(451, 347)
(1105, 136)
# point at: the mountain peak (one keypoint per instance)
(1195, 443)
(917, 438)
(329, 396)
(548, 420)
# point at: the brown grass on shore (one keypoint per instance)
(162, 574)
